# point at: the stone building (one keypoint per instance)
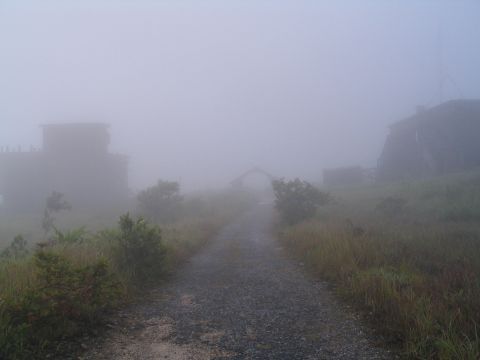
(439, 140)
(74, 160)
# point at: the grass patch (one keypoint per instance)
(416, 271)
(66, 286)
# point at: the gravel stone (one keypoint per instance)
(241, 297)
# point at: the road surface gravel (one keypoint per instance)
(241, 297)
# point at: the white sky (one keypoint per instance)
(199, 91)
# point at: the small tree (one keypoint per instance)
(54, 204)
(141, 252)
(161, 202)
(16, 250)
(297, 200)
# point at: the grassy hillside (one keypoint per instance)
(409, 255)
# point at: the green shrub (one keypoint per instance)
(140, 250)
(64, 301)
(62, 289)
(297, 200)
(162, 202)
(75, 236)
(16, 250)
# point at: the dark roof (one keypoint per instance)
(445, 111)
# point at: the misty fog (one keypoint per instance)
(201, 91)
(243, 179)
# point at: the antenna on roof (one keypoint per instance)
(443, 76)
(440, 65)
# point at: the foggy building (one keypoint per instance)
(442, 139)
(74, 160)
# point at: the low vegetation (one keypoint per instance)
(297, 200)
(162, 202)
(55, 203)
(68, 281)
(409, 255)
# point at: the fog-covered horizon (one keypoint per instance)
(200, 92)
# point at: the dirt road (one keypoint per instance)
(240, 298)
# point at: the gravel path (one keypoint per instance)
(240, 298)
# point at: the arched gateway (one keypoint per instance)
(238, 181)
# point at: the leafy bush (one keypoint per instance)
(16, 250)
(162, 202)
(140, 249)
(297, 200)
(75, 236)
(62, 289)
(64, 300)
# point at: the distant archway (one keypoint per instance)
(238, 182)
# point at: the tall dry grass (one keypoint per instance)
(414, 270)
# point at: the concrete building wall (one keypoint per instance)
(74, 161)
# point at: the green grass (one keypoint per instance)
(59, 291)
(415, 269)
(36, 312)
